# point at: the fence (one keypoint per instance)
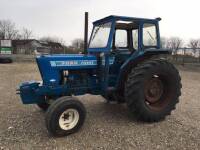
(186, 55)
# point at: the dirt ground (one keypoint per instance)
(107, 126)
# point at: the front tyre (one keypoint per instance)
(65, 116)
(152, 90)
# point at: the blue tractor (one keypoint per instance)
(122, 64)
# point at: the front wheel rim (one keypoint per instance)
(69, 119)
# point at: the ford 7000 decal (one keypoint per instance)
(73, 63)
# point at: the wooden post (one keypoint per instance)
(199, 55)
(183, 61)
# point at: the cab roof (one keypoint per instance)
(123, 18)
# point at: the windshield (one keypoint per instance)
(100, 36)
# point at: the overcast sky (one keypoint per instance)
(65, 19)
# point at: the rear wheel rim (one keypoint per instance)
(155, 93)
(153, 90)
(69, 119)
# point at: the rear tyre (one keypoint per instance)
(152, 90)
(65, 116)
(5, 60)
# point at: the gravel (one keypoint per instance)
(107, 126)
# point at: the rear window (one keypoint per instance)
(149, 35)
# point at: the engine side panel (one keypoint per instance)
(50, 66)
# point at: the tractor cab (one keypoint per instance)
(124, 34)
(119, 39)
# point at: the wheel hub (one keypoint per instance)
(68, 119)
(153, 90)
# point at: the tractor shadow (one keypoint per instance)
(99, 109)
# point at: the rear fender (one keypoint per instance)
(136, 58)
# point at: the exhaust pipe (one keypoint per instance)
(86, 33)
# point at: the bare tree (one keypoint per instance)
(26, 33)
(199, 48)
(78, 43)
(8, 30)
(194, 44)
(1, 35)
(174, 43)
